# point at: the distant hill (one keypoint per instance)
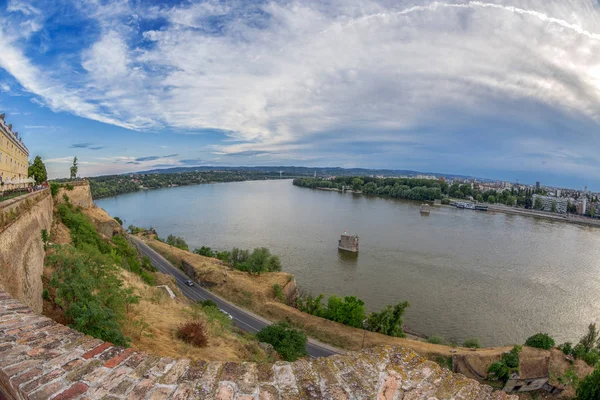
(296, 171)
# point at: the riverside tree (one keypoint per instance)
(288, 342)
(389, 320)
(37, 170)
(74, 168)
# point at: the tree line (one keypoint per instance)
(112, 185)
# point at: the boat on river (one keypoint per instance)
(425, 209)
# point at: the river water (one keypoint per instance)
(497, 277)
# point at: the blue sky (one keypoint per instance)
(503, 89)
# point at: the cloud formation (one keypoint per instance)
(339, 82)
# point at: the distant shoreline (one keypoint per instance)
(500, 208)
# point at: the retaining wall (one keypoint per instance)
(21, 247)
(41, 359)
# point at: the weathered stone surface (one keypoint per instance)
(40, 359)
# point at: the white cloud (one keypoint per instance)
(282, 78)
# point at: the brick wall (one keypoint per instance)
(40, 359)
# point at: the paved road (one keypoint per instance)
(241, 318)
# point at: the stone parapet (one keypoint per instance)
(41, 359)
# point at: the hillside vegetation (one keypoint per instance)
(102, 287)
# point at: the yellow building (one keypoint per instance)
(14, 156)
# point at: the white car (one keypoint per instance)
(226, 313)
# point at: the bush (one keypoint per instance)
(54, 188)
(348, 311)
(289, 343)
(178, 242)
(278, 292)
(499, 371)
(472, 343)
(435, 340)
(119, 220)
(83, 231)
(566, 348)
(260, 260)
(591, 357)
(540, 341)
(389, 320)
(69, 187)
(579, 351)
(208, 303)
(193, 332)
(204, 251)
(589, 388)
(148, 278)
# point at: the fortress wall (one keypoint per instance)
(80, 195)
(21, 247)
(41, 359)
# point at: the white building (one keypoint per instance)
(547, 201)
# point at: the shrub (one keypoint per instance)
(499, 371)
(540, 341)
(69, 187)
(348, 311)
(193, 332)
(208, 303)
(435, 340)
(119, 220)
(148, 278)
(65, 198)
(54, 188)
(579, 351)
(591, 357)
(45, 238)
(278, 292)
(178, 242)
(204, 251)
(472, 343)
(589, 388)
(566, 348)
(289, 343)
(389, 320)
(46, 294)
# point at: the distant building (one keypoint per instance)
(585, 190)
(14, 157)
(537, 185)
(533, 375)
(547, 201)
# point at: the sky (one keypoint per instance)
(501, 89)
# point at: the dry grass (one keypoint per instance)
(154, 321)
(256, 294)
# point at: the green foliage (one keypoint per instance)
(45, 238)
(178, 242)
(259, 261)
(66, 198)
(74, 168)
(88, 288)
(278, 292)
(509, 363)
(54, 188)
(82, 230)
(435, 340)
(208, 303)
(37, 169)
(312, 305)
(288, 342)
(591, 339)
(553, 207)
(135, 229)
(472, 343)
(69, 187)
(224, 256)
(589, 388)
(591, 357)
(389, 320)
(538, 205)
(402, 188)
(46, 294)
(540, 341)
(119, 220)
(348, 311)
(566, 348)
(204, 251)
(579, 351)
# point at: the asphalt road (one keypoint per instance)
(241, 318)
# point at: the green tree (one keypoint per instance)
(472, 343)
(540, 341)
(389, 320)
(491, 199)
(288, 342)
(205, 251)
(357, 184)
(74, 168)
(119, 220)
(592, 210)
(589, 388)
(553, 207)
(591, 339)
(177, 241)
(37, 170)
(349, 311)
(479, 198)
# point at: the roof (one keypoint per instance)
(534, 367)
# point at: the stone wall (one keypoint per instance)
(80, 195)
(21, 247)
(41, 359)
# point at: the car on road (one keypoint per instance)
(226, 313)
(189, 283)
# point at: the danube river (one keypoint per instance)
(497, 277)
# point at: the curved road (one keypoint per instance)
(241, 318)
